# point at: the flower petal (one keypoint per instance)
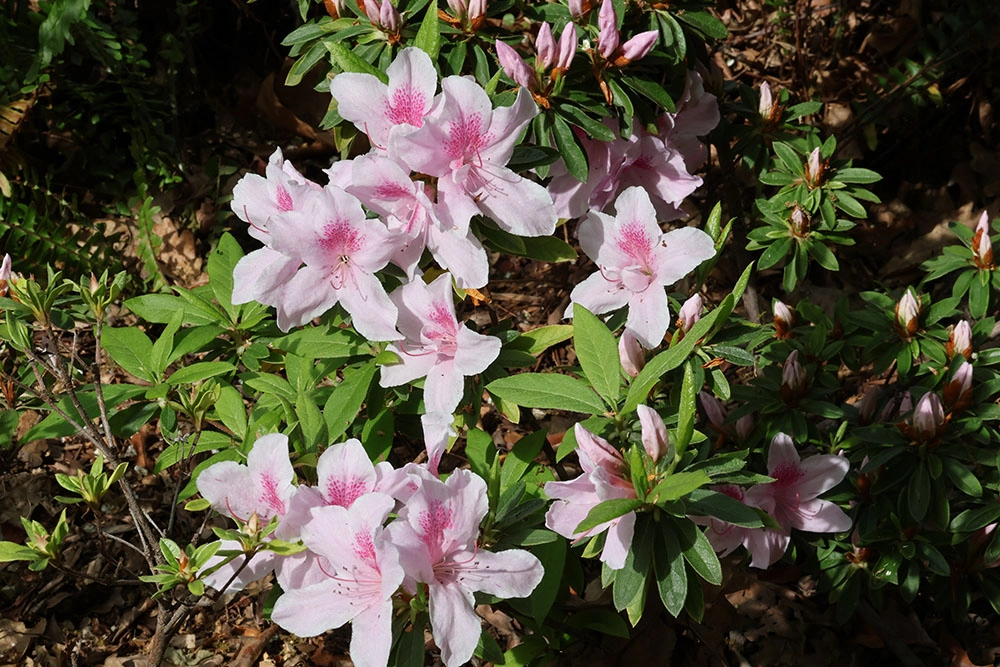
(648, 316)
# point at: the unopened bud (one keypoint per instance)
(908, 314)
(982, 246)
(389, 17)
(607, 22)
(714, 409)
(959, 340)
(477, 13)
(567, 47)
(784, 320)
(372, 11)
(766, 101)
(335, 8)
(793, 379)
(630, 354)
(637, 48)
(744, 425)
(577, 8)
(690, 313)
(928, 417)
(866, 406)
(459, 8)
(515, 68)
(800, 223)
(545, 47)
(814, 168)
(958, 392)
(654, 432)
(5, 273)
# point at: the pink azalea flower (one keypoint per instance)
(636, 260)
(436, 346)
(643, 160)
(257, 199)
(384, 186)
(697, 114)
(766, 546)
(603, 479)
(467, 144)
(378, 109)
(436, 534)
(362, 573)
(341, 250)
(792, 499)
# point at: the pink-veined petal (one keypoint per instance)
(680, 253)
(618, 541)
(462, 255)
(820, 473)
(272, 474)
(596, 452)
(438, 431)
(444, 387)
(598, 295)
(307, 295)
(821, 516)
(766, 547)
(345, 473)
(227, 486)
(475, 352)
(507, 574)
(414, 364)
(313, 610)
(518, 205)
(372, 313)
(230, 577)
(261, 276)
(371, 635)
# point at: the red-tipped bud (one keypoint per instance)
(784, 320)
(654, 433)
(959, 340)
(928, 417)
(982, 246)
(630, 354)
(908, 315)
(814, 169)
(958, 392)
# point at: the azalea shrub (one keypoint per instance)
(321, 399)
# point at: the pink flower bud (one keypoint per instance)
(372, 11)
(958, 392)
(477, 12)
(545, 47)
(714, 409)
(690, 313)
(814, 168)
(567, 47)
(389, 17)
(459, 8)
(982, 246)
(744, 425)
(908, 314)
(630, 354)
(577, 9)
(928, 417)
(515, 68)
(960, 340)
(866, 406)
(654, 432)
(638, 47)
(335, 8)
(766, 101)
(784, 320)
(607, 22)
(793, 379)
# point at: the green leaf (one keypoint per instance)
(850, 205)
(310, 420)
(346, 400)
(231, 411)
(221, 263)
(791, 160)
(608, 510)
(323, 343)
(857, 175)
(159, 359)
(705, 23)
(520, 458)
(573, 155)
(774, 253)
(823, 255)
(348, 61)
(11, 551)
(677, 486)
(704, 502)
(548, 391)
(553, 558)
(918, 494)
(598, 353)
(651, 90)
(698, 551)
(200, 371)
(667, 361)
(686, 409)
(671, 575)
(480, 451)
(270, 384)
(974, 519)
(577, 116)
(538, 340)
(429, 34)
(963, 478)
(131, 349)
